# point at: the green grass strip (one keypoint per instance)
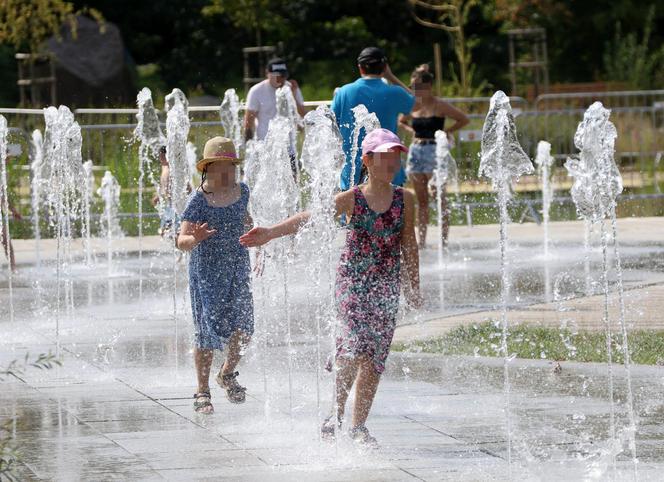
(533, 341)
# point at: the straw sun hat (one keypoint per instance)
(218, 149)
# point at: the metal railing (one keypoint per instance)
(638, 116)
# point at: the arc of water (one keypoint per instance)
(597, 184)
(502, 160)
(4, 210)
(363, 120)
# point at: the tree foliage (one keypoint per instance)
(634, 61)
(26, 24)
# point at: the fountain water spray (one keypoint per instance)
(177, 131)
(148, 132)
(63, 171)
(322, 159)
(4, 210)
(88, 190)
(363, 120)
(544, 161)
(36, 184)
(109, 191)
(503, 160)
(275, 196)
(229, 112)
(597, 184)
(445, 169)
(287, 107)
(191, 162)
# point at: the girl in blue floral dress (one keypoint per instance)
(380, 229)
(219, 270)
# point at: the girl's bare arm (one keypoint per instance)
(344, 203)
(448, 110)
(191, 234)
(410, 252)
(404, 121)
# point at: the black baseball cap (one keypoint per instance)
(371, 55)
(277, 66)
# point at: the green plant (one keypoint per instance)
(634, 61)
(9, 451)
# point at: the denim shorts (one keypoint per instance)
(421, 158)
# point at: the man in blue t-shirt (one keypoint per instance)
(386, 101)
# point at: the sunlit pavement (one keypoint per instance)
(120, 406)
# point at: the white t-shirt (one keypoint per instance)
(262, 99)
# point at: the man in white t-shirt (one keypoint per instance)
(262, 100)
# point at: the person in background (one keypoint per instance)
(386, 100)
(262, 100)
(427, 117)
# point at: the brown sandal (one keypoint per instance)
(202, 402)
(234, 391)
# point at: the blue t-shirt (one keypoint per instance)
(386, 101)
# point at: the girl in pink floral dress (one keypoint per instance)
(380, 229)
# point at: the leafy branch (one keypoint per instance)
(9, 453)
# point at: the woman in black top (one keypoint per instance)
(428, 116)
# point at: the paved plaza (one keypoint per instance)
(120, 405)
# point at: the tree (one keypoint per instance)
(255, 15)
(26, 24)
(452, 18)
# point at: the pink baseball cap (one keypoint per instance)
(381, 140)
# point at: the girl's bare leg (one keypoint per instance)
(203, 362)
(365, 390)
(420, 183)
(236, 346)
(346, 372)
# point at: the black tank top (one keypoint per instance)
(426, 127)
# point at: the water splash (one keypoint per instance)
(148, 133)
(544, 161)
(287, 108)
(363, 120)
(64, 169)
(275, 196)
(597, 180)
(177, 131)
(88, 190)
(502, 160)
(322, 159)
(109, 191)
(36, 185)
(446, 169)
(229, 112)
(4, 210)
(597, 184)
(191, 162)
